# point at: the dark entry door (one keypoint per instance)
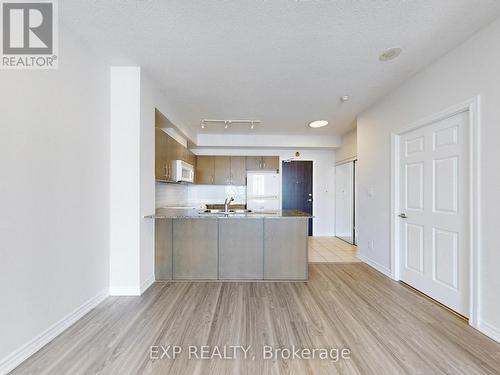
(297, 187)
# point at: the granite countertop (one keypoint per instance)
(177, 213)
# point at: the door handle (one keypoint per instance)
(403, 215)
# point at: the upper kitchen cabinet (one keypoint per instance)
(222, 170)
(231, 170)
(228, 170)
(191, 159)
(238, 170)
(205, 170)
(161, 154)
(253, 163)
(168, 149)
(172, 146)
(262, 162)
(271, 162)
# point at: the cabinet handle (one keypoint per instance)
(264, 165)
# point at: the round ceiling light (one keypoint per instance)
(390, 54)
(318, 124)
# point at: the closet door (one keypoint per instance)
(344, 201)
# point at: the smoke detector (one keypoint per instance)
(390, 54)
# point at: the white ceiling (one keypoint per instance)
(283, 62)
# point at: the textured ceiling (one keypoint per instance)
(283, 62)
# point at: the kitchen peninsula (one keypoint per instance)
(198, 245)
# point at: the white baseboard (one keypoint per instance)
(147, 283)
(124, 291)
(489, 330)
(386, 271)
(323, 234)
(132, 291)
(18, 356)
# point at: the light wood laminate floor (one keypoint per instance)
(388, 328)
(331, 250)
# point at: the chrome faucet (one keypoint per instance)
(227, 203)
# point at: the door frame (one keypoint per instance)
(353, 160)
(473, 107)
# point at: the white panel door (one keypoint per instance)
(344, 201)
(434, 248)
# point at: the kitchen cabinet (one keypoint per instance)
(284, 244)
(253, 163)
(161, 154)
(238, 170)
(205, 170)
(182, 153)
(171, 155)
(222, 170)
(241, 249)
(166, 150)
(231, 170)
(195, 249)
(191, 159)
(262, 162)
(271, 162)
(163, 249)
(230, 247)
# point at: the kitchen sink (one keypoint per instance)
(225, 213)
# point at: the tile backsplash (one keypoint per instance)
(202, 194)
(197, 195)
(171, 194)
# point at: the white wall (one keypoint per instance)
(472, 69)
(268, 140)
(133, 102)
(54, 193)
(125, 169)
(150, 98)
(349, 148)
(323, 179)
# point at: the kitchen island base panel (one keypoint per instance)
(195, 249)
(241, 250)
(252, 248)
(163, 249)
(285, 249)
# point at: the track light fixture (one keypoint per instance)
(229, 122)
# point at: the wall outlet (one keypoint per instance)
(370, 245)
